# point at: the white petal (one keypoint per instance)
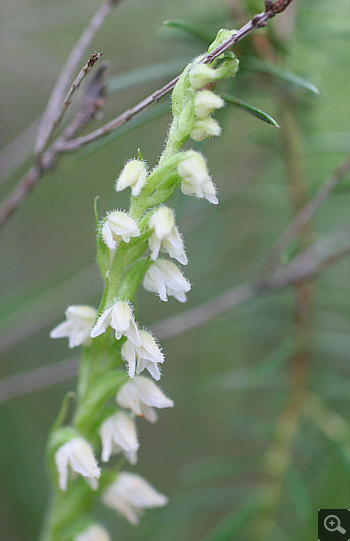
(102, 323)
(138, 492)
(95, 532)
(129, 355)
(149, 349)
(150, 393)
(107, 236)
(206, 102)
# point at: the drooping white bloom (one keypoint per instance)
(165, 278)
(166, 237)
(130, 494)
(94, 532)
(118, 226)
(206, 102)
(141, 395)
(195, 178)
(133, 175)
(77, 454)
(120, 317)
(147, 355)
(77, 327)
(204, 128)
(201, 75)
(118, 435)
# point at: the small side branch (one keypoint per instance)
(49, 117)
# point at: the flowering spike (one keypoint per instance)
(118, 434)
(141, 395)
(133, 175)
(130, 494)
(166, 237)
(165, 278)
(77, 327)
(77, 454)
(118, 226)
(195, 178)
(147, 356)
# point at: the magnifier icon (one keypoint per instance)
(332, 524)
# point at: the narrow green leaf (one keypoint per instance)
(283, 75)
(234, 523)
(299, 496)
(193, 30)
(258, 113)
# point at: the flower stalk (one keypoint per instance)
(120, 360)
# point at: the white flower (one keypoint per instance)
(134, 175)
(141, 395)
(77, 454)
(118, 226)
(94, 532)
(165, 278)
(120, 317)
(206, 102)
(147, 355)
(118, 435)
(204, 128)
(195, 178)
(77, 327)
(130, 494)
(201, 75)
(166, 237)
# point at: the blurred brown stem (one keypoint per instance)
(279, 454)
(48, 158)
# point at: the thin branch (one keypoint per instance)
(306, 213)
(52, 111)
(17, 196)
(74, 86)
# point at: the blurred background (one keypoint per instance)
(250, 451)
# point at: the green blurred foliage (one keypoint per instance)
(228, 378)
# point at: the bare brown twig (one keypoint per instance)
(53, 107)
(48, 159)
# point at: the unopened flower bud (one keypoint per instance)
(195, 178)
(133, 175)
(206, 102)
(201, 75)
(204, 128)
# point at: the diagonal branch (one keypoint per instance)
(306, 213)
(21, 191)
(49, 119)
